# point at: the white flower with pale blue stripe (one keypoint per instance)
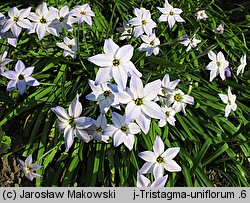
(122, 131)
(71, 123)
(141, 105)
(20, 78)
(28, 168)
(115, 63)
(230, 101)
(159, 160)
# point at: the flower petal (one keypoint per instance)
(160, 182)
(170, 153)
(21, 85)
(152, 110)
(118, 119)
(158, 146)
(144, 122)
(147, 168)
(118, 138)
(142, 181)
(133, 128)
(158, 170)
(212, 56)
(28, 71)
(171, 166)
(30, 81)
(75, 108)
(19, 67)
(83, 135)
(61, 113)
(132, 111)
(103, 75)
(102, 60)
(12, 75)
(68, 137)
(41, 30)
(28, 160)
(110, 130)
(125, 53)
(11, 85)
(110, 47)
(148, 156)
(224, 98)
(151, 90)
(120, 77)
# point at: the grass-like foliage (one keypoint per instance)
(214, 149)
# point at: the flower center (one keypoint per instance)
(229, 102)
(72, 123)
(106, 93)
(129, 31)
(124, 128)
(144, 22)
(164, 91)
(83, 12)
(171, 13)
(99, 129)
(159, 159)
(43, 20)
(177, 97)
(152, 43)
(28, 169)
(70, 46)
(15, 19)
(20, 77)
(218, 63)
(138, 101)
(201, 14)
(116, 62)
(167, 113)
(61, 19)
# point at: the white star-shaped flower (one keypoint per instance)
(115, 63)
(243, 63)
(230, 101)
(170, 113)
(63, 19)
(69, 46)
(220, 29)
(42, 18)
(20, 77)
(166, 87)
(122, 131)
(159, 160)
(141, 105)
(96, 130)
(142, 22)
(190, 42)
(71, 123)
(217, 66)
(83, 14)
(126, 30)
(170, 14)
(16, 21)
(201, 15)
(150, 45)
(28, 168)
(179, 100)
(104, 95)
